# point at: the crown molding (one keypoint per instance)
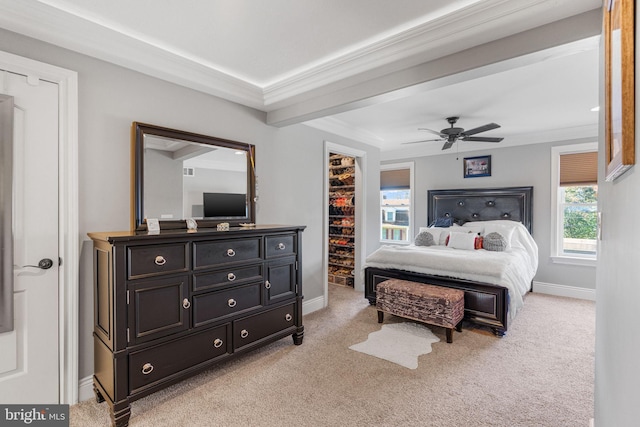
(457, 30)
(465, 28)
(68, 30)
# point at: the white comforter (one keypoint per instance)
(513, 269)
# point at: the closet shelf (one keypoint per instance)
(342, 223)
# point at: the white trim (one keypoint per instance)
(312, 305)
(444, 35)
(410, 232)
(583, 261)
(452, 31)
(564, 291)
(85, 389)
(556, 151)
(69, 241)
(360, 232)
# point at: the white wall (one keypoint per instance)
(526, 165)
(617, 393)
(289, 161)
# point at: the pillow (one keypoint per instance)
(478, 243)
(475, 227)
(494, 242)
(506, 231)
(465, 241)
(425, 238)
(439, 234)
(442, 222)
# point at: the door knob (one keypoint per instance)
(44, 264)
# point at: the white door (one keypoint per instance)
(29, 365)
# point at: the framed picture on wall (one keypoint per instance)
(477, 166)
(619, 44)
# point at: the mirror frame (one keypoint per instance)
(139, 130)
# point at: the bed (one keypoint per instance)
(494, 282)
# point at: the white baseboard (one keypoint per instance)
(85, 389)
(312, 305)
(564, 291)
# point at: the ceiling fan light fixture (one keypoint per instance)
(453, 134)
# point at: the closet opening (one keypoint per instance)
(342, 219)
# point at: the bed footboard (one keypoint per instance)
(484, 303)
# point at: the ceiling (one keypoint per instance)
(304, 61)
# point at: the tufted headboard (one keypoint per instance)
(483, 204)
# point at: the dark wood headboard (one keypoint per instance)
(483, 204)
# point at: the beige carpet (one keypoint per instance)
(540, 374)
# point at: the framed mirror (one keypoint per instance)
(179, 175)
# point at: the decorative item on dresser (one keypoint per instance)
(172, 304)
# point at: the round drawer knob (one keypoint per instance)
(231, 277)
(232, 303)
(244, 333)
(231, 252)
(160, 260)
(217, 343)
(186, 303)
(147, 368)
(267, 284)
(288, 317)
(281, 246)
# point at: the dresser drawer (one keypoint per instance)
(144, 261)
(226, 277)
(211, 254)
(254, 328)
(280, 245)
(214, 305)
(157, 363)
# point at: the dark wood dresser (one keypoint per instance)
(169, 305)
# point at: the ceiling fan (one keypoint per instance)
(452, 134)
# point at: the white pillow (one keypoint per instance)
(504, 230)
(439, 233)
(475, 227)
(462, 240)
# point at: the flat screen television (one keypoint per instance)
(225, 205)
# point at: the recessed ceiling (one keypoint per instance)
(272, 54)
(539, 102)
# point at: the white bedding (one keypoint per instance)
(513, 269)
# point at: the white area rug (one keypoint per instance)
(399, 343)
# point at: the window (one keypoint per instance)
(395, 202)
(575, 205)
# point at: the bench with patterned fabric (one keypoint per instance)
(435, 305)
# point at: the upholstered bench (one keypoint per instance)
(435, 305)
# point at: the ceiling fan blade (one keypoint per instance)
(430, 131)
(481, 139)
(448, 144)
(484, 128)
(422, 140)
